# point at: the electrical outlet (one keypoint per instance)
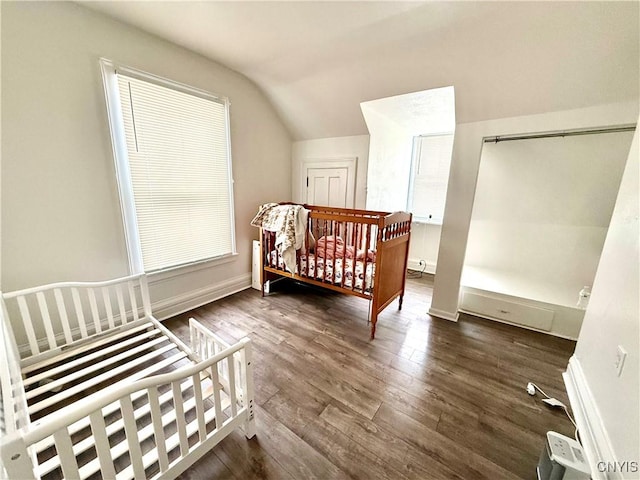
(621, 354)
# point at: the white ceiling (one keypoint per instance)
(317, 61)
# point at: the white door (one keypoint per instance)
(327, 187)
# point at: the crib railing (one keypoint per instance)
(48, 322)
(207, 400)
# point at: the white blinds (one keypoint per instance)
(431, 162)
(178, 155)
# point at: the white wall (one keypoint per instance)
(60, 208)
(327, 149)
(462, 183)
(424, 245)
(542, 208)
(612, 319)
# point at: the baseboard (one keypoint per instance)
(414, 264)
(593, 434)
(178, 304)
(434, 312)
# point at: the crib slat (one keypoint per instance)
(94, 309)
(46, 319)
(232, 386)
(131, 431)
(358, 240)
(77, 304)
(66, 393)
(28, 325)
(345, 234)
(216, 395)
(103, 449)
(133, 300)
(64, 447)
(106, 363)
(197, 392)
(84, 359)
(180, 418)
(106, 298)
(120, 449)
(366, 258)
(158, 431)
(73, 352)
(121, 309)
(62, 311)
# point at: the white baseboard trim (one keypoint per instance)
(178, 304)
(434, 312)
(414, 264)
(593, 433)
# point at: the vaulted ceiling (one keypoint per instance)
(317, 60)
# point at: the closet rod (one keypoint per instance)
(497, 139)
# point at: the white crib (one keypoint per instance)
(101, 389)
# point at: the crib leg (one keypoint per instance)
(374, 319)
(16, 459)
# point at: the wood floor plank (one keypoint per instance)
(352, 458)
(390, 448)
(299, 458)
(466, 463)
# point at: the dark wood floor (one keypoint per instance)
(427, 399)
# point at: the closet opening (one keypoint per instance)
(541, 212)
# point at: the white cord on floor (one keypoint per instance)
(566, 410)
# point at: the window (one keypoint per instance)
(173, 161)
(430, 164)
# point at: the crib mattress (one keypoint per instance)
(314, 267)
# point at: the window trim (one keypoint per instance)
(415, 154)
(109, 70)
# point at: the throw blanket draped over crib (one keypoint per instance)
(289, 223)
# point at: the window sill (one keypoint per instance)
(160, 276)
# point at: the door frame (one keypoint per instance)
(350, 163)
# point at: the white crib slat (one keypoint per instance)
(66, 393)
(62, 311)
(106, 363)
(28, 325)
(132, 299)
(120, 448)
(181, 422)
(77, 304)
(87, 358)
(103, 449)
(94, 309)
(72, 352)
(46, 319)
(64, 447)
(121, 309)
(158, 431)
(216, 395)
(197, 392)
(112, 407)
(232, 386)
(106, 298)
(131, 431)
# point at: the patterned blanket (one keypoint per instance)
(289, 222)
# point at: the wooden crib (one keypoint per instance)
(101, 389)
(364, 253)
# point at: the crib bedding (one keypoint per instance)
(313, 267)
